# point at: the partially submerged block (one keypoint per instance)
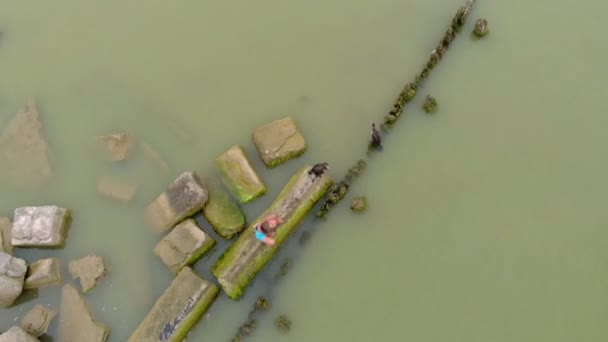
(184, 197)
(177, 310)
(17, 334)
(279, 141)
(76, 323)
(115, 189)
(12, 274)
(24, 151)
(184, 245)
(5, 235)
(117, 146)
(43, 272)
(39, 226)
(239, 175)
(90, 269)
(240, 263)
(37, 320)
(222, 212)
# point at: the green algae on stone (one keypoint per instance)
(430, 104)
(279, 141)
(177, 310)
(222, 212)
(247, 256)
(239, 175)
(184, 245)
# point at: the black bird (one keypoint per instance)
(376, 139)
(318, 170)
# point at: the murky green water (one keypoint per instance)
(486, 220)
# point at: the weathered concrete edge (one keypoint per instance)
(295, 154)
(234, 290)
(197, 312)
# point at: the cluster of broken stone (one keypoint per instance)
(185, 243)
(43, 227)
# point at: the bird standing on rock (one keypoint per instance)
(318, 170)
(376, 139)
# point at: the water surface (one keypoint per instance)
(486, 220)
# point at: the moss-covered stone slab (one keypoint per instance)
(177, 310)
(239, 175)
(184, 197)
(12, 275)
(5, 235)
(42, 226)
(183, 246)
(279, 141)
(222, 212)
(76, 323)
(37, 320)
(43, 272)
(90, 269)
(247, 256)
(17, 334)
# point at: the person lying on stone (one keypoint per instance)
(266, 229)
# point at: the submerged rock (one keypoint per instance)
(481, 27)
(177, 310)
(184, 245)
(184, 197)
(12, 275)
(24, 150)
(17, 334)
(430, 104)
(42, 273)
(117, 146)
(283, 323)
(5, 235)
(77, 323)
(359, 203)
(90, 269)
(222, 212)
(115, 189)
(279, 141)
(37, 320)
(39, 226)
(239, 175)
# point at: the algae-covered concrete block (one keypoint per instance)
(90, 269)
(279, 141)
(239, 175)
(39, 226)
(184, 197)
(17, 334)
(240, 263)
(184, 245)
(5, 235)
(222, 212)
(12, 274)
(177, 310)
(37, 320)
(42, 273)
(77, 323)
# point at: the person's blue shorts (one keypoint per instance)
(259, 235)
